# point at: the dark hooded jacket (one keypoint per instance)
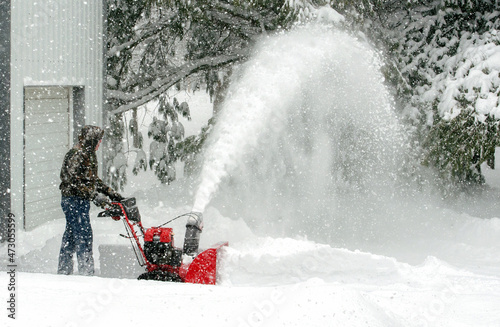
(79, 170)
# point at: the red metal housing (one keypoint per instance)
(164, 233)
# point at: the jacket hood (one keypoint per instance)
(90, 136)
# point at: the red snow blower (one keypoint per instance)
(157, 252)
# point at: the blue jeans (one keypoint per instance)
(77, 237)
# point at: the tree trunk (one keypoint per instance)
(136, 142)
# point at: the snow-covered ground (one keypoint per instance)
(267, 281)
(377, 260)
(372, 291)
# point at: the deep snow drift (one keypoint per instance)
(306, 176)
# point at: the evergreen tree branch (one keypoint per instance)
(142, 36)
(136, 99)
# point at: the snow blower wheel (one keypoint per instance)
(159, 275)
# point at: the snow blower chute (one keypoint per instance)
(157, 252)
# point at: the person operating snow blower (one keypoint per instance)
(80, 185)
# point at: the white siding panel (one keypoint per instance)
(38, 150)
(46, 119)
(49, 128)
(54, 210)
(46, 93)
(41, 166)
(48, 166)
(39, 181)
(38, 201)
(46, 142)
(41, 197)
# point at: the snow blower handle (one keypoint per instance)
(112, 211)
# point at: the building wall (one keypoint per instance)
(53, 43)
(4, 116)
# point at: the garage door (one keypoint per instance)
(46, 142)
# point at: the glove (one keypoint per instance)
(100, 200)
(116, 197)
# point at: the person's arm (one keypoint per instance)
(104, 189)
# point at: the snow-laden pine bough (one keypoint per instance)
(155, 250)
